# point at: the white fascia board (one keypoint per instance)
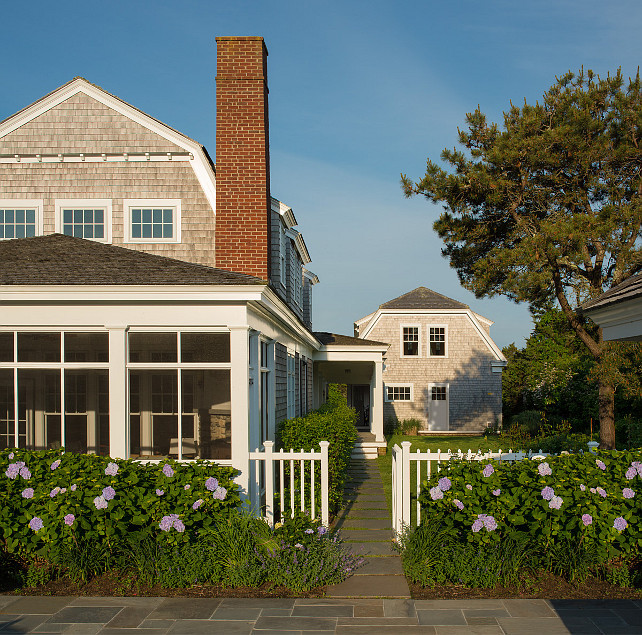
(492, 347)
(299, 243)
(619, 321)
(201, 166)
(271, 303)
(130, 293)
(375, 354)
(311, 277)
(483, 319)
(284, 212)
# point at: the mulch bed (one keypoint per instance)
(544, 586)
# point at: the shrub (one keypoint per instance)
(590, 502)
(81, 499)
(334, 422)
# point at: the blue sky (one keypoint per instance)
(359, 92)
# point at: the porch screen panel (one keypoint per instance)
(206, 414)
(86, 347)
(205, 347)
(7, 410)
(153, 347)
(39, 409)
(6, 347)
(39, 347)
(87, 411)
(153, 416)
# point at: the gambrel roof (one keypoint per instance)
(423, 298)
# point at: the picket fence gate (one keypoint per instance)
(284, 481)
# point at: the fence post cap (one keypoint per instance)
(268, 444)
(324, 444)
(406, 444)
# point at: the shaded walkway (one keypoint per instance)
(365, 524)
(174, 616)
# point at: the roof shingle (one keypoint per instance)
(344, 340)
(58, 259)
(423, 298)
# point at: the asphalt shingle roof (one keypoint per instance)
(423, 298)
(58, 259)
(627, 290)
(344, 340)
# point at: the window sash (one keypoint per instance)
(18, 223)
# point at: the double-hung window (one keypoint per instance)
(410, 341)
(152, 220)
(20, 218)
(84, 218)
(437, 341)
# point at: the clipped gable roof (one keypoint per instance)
(423, 298)
(63, 260)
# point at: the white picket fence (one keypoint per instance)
(279, 494)
(402, 458)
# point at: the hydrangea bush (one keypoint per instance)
(51, 496)
(589, 500)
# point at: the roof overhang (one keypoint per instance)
(299, 243)
(619, 321)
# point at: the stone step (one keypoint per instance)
(365, 498)
(355, 503)
(372, 548)
(383, 565)
(364, 523)
(367, 513)
(389, 586)
(366, 535)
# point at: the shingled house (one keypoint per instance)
(442, 366)
(154, 304)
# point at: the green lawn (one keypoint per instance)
(431, 443)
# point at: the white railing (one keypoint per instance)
(402, 458)
(292, 476)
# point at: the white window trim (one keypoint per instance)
(128, 203)
(20, 203)
(291, 384)
(437, 326)
(406, 326)
(88, 203)
(412, 393)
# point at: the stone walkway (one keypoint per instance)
(365, 524)
(191, 616)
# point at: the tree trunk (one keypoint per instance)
(606, 406)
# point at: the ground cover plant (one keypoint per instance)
(572, 515)
(168, 524)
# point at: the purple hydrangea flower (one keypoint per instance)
(36, 524)
(187, 487)
(496, 492)
(322, 530)
(631, 473)
(477, 525)
(469, 486)
(69, 519)
(27, 493)
(592, 490)
(160, 492)
(600, 464)
(197, 504)
(100, 502)
(544, 469)
(211, 484)
(25, 473)
(601, 492)
(55, 465)
(179, 526)
(638, 467)
(555, 502)
(63, 490)
(620, 524)
(12, 471)
(111, 469)
(548, 493)
(168, 471)
(458, 504)
(20, 464)
(490, 523)
(587, 519)
(436, 493)
(73, 487)
(167, 522)
(627, 492)
(488, 470)
(444, 484)
(219, 493)
(11, 455)
(583, 487)
(54, 492)
(108, 493)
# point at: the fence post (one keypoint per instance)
(325, 507)
(405, 482)
(269, 482)
(397, 491)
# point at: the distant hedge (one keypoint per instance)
(335, 422)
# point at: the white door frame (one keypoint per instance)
(438, 384)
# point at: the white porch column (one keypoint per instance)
(239, 388)
(376, 399)
(118, 416)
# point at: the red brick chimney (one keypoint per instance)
(242, 157)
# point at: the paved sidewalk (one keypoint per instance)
(325, 616)
(366, 526)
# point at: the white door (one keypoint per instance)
(437, 407)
